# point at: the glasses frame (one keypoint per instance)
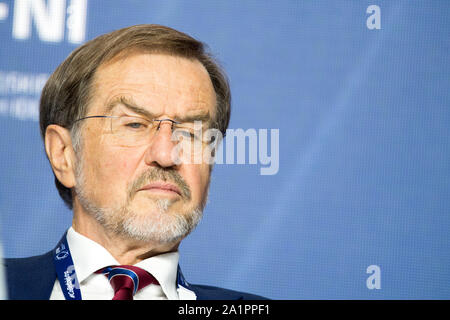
(116, 117)
(159, 120)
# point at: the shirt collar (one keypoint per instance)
(164, 268)
(89, 256)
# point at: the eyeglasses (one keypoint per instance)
(136, 131)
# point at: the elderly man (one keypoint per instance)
(108, 117)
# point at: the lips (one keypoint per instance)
(161, 186)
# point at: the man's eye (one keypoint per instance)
(135, 125)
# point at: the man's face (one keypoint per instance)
(138, 191)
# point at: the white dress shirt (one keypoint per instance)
(88, 256)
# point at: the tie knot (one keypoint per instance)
(127, 280)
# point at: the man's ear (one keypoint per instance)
(59, 149)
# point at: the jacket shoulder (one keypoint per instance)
(215, 293)
(30, 278)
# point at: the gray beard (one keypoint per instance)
(159, 226)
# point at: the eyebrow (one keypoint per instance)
(131, 105)
(201, 116)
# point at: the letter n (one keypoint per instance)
(49, 19)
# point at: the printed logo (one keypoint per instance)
(61, 252)
(20, 93)
(52, 19)
(69, 279)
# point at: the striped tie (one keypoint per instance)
(127, 280)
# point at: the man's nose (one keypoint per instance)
(161, 147)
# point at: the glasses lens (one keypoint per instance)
(131, 131)
(137, 131)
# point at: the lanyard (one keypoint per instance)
(67, 276)
(65, 270)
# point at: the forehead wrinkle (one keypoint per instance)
(190, 115)
(190, 99)
(130, 104)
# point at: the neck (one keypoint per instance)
(125, 250)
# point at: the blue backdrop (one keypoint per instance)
(360, 97)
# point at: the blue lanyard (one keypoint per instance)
(67, 276)
(65, 270)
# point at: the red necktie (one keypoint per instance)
(127, 280)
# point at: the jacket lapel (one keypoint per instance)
(184, 288)
(30, 278)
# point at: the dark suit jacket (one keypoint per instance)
(33, 279)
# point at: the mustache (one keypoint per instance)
(160, 174)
